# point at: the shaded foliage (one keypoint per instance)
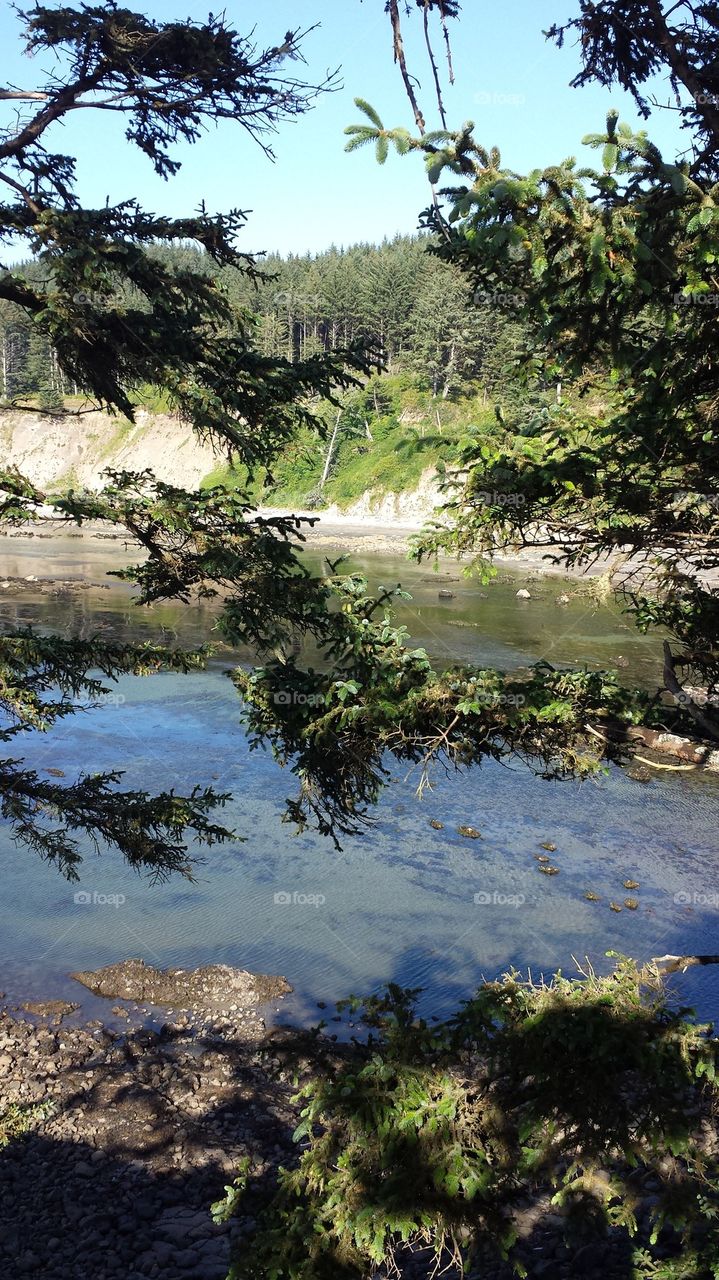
(435, 1135)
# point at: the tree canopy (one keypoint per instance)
(613, 272)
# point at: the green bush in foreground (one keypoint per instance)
(432, 1135)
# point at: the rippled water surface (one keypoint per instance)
(404, 901)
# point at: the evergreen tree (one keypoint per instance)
(444, 335)
(616, 271)
(120, 313)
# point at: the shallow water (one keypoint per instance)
(402, 901)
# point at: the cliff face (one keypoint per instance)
(59, 452)
(69, 450)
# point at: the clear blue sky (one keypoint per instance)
(511, 81)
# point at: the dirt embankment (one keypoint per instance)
(56, 451)
(71, 449)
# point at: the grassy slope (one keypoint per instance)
(407, 438)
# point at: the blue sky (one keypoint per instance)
(511, 81)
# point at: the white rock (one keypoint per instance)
(523, 594)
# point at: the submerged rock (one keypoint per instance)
(49, 1008)
(638, 773)
(207, 989)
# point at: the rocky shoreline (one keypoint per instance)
(132, 1135)
(135, 1134)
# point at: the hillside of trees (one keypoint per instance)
(449, 359)
(418, 311)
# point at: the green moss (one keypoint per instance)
(223, 474)
(117, 439)
(154, 399)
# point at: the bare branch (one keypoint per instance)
(399, 57)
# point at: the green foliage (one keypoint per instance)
(410, 433)
(416, 308)
(19, 1119)
(610, 270)
(226, 477)
(360, 135)
(432, 1134)
(223, 1209)
(371, 695)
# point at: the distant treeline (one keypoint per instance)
(396, 295)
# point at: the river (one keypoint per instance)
(403, 901)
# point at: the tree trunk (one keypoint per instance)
(705, 722)
(330, 451)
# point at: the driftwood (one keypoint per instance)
(676, 964)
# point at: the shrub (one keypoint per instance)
(432, 1135)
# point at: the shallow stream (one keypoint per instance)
(404, 901)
